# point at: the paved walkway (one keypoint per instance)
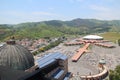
(80, 52)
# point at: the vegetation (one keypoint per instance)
(112, 36)
(49, 46)
(56, 28)
(119, 42)
(115, 74)
(5, 31)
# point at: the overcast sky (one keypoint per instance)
(18, 11)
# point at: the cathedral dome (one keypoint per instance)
(15, 56)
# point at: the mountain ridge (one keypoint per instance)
(56, 28)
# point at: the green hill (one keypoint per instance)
(5, 31)
(56, 28)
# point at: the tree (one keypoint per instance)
(115, 74)
(119, 42)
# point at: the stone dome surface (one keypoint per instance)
(15, 56)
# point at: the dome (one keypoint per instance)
(15, 56)
(102, 61)
(93, 37)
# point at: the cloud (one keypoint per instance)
(99, 8)
(43, 13)
(106, 13)
(18, 13)
(12, 17)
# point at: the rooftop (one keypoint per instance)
(50, 58)
(92, 37)
(15, 56)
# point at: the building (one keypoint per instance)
(53, 66)
(6, 73)
(92, 37)
(17, 63)
(15, 56)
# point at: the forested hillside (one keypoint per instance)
(5, 31)
(56, 28)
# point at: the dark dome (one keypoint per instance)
(15, 56)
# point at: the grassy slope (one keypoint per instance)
(112, 36)
(62, 28)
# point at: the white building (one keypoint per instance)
(92, 37)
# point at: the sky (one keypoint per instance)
(20, 11)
